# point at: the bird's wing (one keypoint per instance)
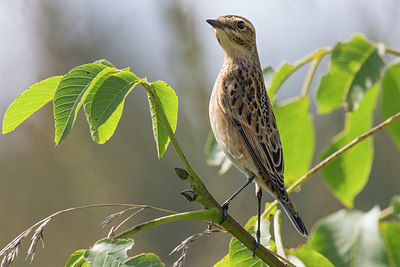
(246, 103)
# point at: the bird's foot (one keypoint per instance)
(256, 244)
(224, 211)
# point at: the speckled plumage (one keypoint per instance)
(241, 114)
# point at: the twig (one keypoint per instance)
(317, 55)
(333, 156)
(392, 51)
(386, 213)
(201, 215)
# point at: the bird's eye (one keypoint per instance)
(240, 25)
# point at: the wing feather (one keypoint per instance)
(249, 108)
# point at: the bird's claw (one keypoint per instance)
(224, 212)
(257, 238)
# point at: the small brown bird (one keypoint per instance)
(242, 119)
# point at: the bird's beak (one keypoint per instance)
(215, 23)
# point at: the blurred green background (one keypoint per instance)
(170, 41)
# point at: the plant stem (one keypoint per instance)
(317, 55)
(206, 199)
(386, 213)
(208, 214)
(310, 76)
(392, 51)
(277, 234)
(333, 156)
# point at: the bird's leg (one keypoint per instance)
(226, 203)
(258, 232)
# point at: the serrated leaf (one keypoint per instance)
(70, 94)
(309, 257)
(355, 68)
(347, 175)
(169, 101)
(104, 62)
(391, 236)
(296, 129)
(350, 238)
(215, 156)
(110, 253)
(107, 103)
(30, 101)
(390, 103)
(279, 77)
(77, 259)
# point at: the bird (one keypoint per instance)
(242, 118)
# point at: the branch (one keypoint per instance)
(333, 156)
(206, 199)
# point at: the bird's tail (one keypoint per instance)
(294, 216)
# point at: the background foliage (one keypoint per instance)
(96, 165)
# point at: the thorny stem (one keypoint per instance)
(333, 156)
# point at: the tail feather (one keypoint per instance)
(294, 217)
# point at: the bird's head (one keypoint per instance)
(236, 35)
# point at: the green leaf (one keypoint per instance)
(104, 62)
(169, 102)
(296, 128)
(268, 74)
(105, 108)
(215, 155)
(29, 102)
(390, 99)
(391, 236)
(70, 94)
(347, 175)
(350, 238)
(279, 77)
(224, 262)
(355, 68)
(240, 255)
(309, 257)
(145, 260)
(108, 252)
(77, 259)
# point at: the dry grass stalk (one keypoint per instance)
(187, 243)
